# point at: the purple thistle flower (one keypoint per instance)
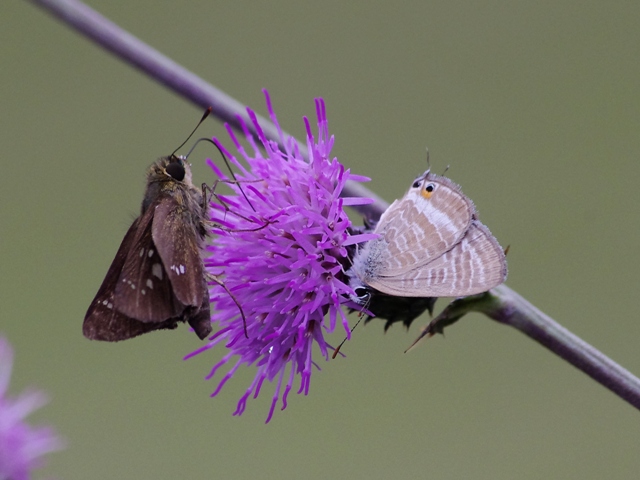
(21, 446)
(282, 253)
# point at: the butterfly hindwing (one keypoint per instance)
(102, 321)
(474, 265)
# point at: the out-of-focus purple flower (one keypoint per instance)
(282, 253)
(21, 446)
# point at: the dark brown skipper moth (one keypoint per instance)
(157, 278)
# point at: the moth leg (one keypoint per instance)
(213, 194)
(211, 190)
(216, 280)
(237, 182)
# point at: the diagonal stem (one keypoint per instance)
(179, 80)
(506, 306)
(501, 304)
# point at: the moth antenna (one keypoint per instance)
(206, 114)
(226, 162)
(446, 170)
(428, 161)
(506, 250)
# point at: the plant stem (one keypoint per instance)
(505, 306)
(180, 80)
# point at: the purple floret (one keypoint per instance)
(282, 254)
(22, 446)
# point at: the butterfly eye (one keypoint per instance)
(176, 170)
(417, 184)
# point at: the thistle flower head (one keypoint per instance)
(281, 252)
(21, 446)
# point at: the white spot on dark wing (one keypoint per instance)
(149, 283)
(156, 270)
(133, 287)
(110, 306)
(150, 254)
(141, 252)
(182, 269)
(104, 302)
(143, 291)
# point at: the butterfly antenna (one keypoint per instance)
(226, 162)
(428, 161)
(206, 114)
(446, 170)
(506, 250)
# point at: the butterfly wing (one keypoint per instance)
(474, 265)
(144, 289)
(428, 221)
(200, 318)
(102, 321)
(176, 239)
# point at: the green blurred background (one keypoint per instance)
(536, 107)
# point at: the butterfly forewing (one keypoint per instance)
(143, 291)
(175, 237)
(474, 265)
